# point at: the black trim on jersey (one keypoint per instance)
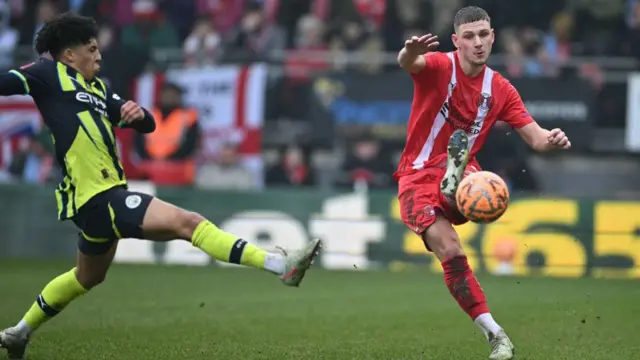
(72, 188)
(64, 199)
(110, 145)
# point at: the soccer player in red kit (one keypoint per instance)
(457, 100)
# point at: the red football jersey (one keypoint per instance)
(445, 99)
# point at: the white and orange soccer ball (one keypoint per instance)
(482, 197)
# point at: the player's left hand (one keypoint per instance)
(130, 112)
(558, 139)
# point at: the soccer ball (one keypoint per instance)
(482, 197)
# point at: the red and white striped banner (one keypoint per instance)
(19, 117)
(230, 101)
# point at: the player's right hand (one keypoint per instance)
(558, 139)
(421, 45)
(130, 112)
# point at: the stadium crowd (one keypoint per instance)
(537, 38)
(210, 31)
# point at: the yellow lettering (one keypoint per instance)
(508, 243)
(615, 235)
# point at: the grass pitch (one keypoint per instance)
(155, 313)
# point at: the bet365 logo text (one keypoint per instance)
(556, 237)
(343, 224)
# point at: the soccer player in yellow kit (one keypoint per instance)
(80, 110)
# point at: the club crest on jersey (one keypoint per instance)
(133, 201)
(484, 101)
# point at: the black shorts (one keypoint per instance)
(108, 217)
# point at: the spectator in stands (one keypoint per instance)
(225, 15)
(523, 49)
(556, 48)
(288, 13)
(633, 22)
(443, 11)
(120, 63)
(181, 14)
(169, 153)
(371, 11)
(8, 38)
(308, 57)
(122, 12)
(354, 37)
(292, 170)
(405, 16)
(310, 32)
(367, 165)
(227, 173)
(256, 37)
(308, 54)
(45, 10)
(203, 45)
(35, 164)
(101, 10)
(515, 61)
(149, 29)
(600, 24)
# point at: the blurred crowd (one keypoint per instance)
(536, 38)
(548, 32)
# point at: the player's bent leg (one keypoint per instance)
(89, 272)
(164, 221)
(441, 238)
(91, 269)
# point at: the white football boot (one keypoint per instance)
(298, 262)
(457, 160)
(501, 347)
(14, 342)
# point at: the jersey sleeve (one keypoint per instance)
(514, 112)
(434, 62)
(114, 104)
(31, 79)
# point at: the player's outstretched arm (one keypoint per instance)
(13, 83)
(516, 115)
(411, 56)
(542, 140)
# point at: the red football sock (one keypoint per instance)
(464, 286)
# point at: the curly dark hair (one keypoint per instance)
(64, 31)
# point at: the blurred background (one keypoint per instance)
(284, 119)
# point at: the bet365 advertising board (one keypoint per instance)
(560, 237)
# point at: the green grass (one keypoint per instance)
(154, 313)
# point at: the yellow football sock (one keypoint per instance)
(227, 247)
(54, 298)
